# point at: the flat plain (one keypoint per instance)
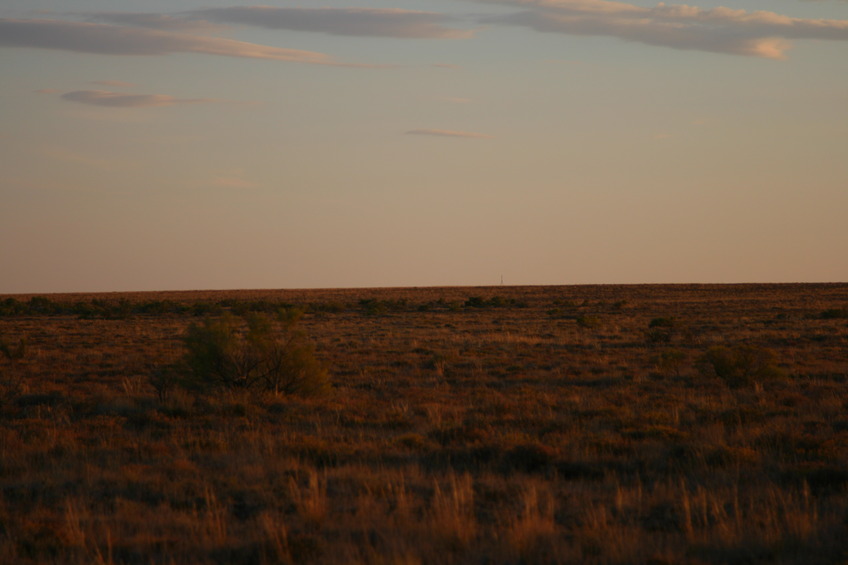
(559, 424)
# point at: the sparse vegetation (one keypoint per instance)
(492, 433)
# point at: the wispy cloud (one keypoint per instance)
(340, 21)
(720, 30)
(448, 133)
(114, 83)
(110, 39)
(123, 100)
(154, 21)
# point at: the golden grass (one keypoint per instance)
(501, 431)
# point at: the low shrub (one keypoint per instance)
(588, 322)
(375, 307)
(13, 352)
(12, 383)
(741, 365)
(834, 314)
(528, 458)
(270, 353)
(493, 302)
(667, 330)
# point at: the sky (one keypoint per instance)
(216, 144)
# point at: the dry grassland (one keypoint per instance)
(465, 425)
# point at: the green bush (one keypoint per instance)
(270, 353)
(741, 365)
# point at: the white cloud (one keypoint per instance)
(448, 133)
(721, 30)
(340, 21)
(122, 100)
(110, 39)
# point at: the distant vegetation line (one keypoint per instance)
(123, 308)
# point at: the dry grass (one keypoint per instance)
(465, 425)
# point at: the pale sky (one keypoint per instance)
(164, 145)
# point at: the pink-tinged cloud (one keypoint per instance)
(367, 22)
(122, 100)
(109, 39)
(720, 30)
(448, 133)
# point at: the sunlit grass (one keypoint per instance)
(503, 431)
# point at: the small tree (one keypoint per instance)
(270, 353)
